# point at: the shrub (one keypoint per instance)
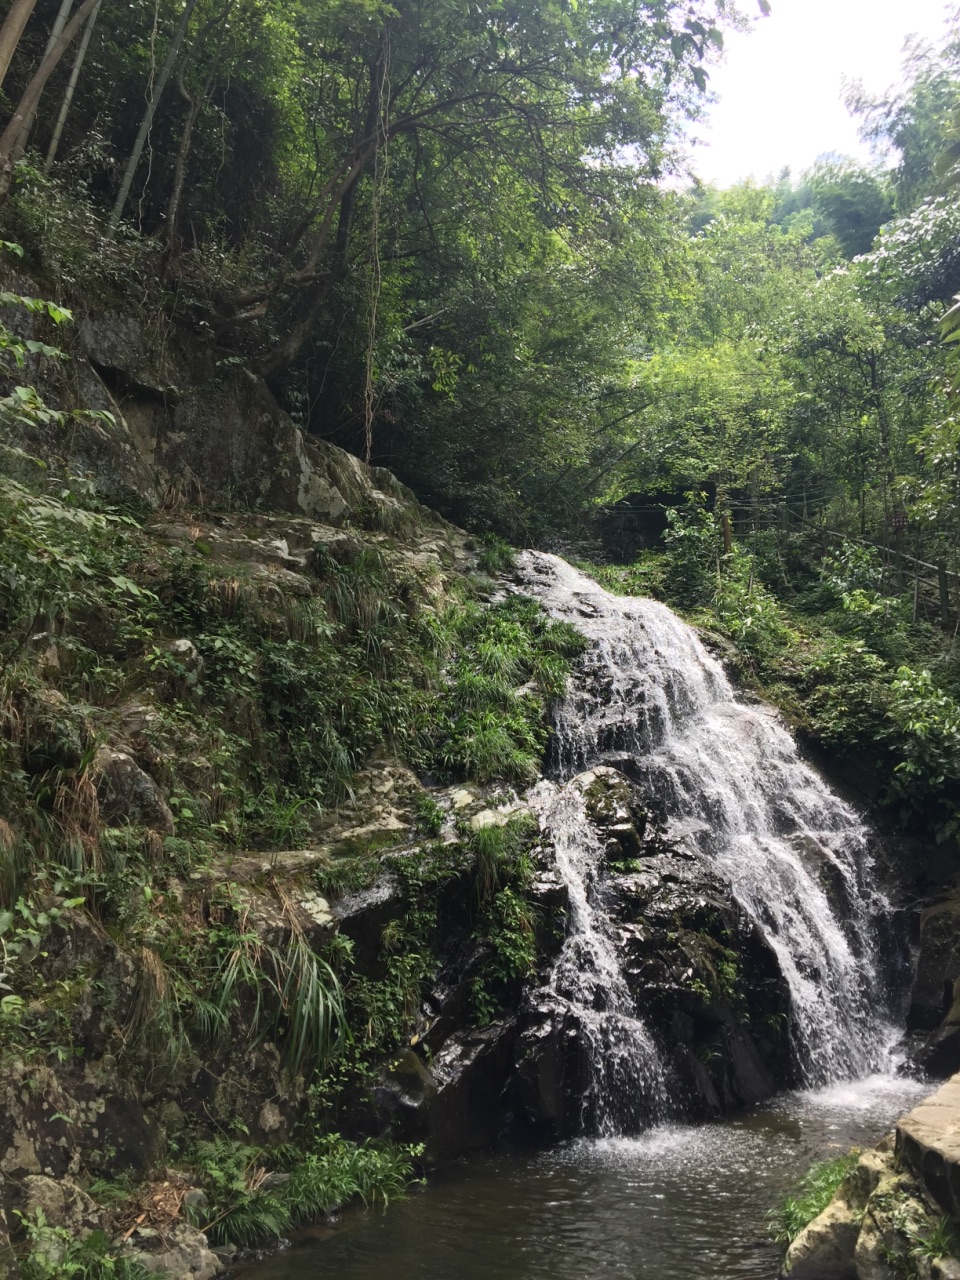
(693, 547)
(247, 1207)
(507, 660)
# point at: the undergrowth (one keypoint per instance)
(508, 660)
(813, 1193)
(253, 1195)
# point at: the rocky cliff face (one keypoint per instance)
(179, 421)
(158, 682)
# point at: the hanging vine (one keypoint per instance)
(381, 167)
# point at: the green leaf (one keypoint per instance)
(57, 313)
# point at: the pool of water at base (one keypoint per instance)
(677, 1203)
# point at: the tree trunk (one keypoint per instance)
(286, 351)
(147, 120)
(179, 178)
(12, 30)
(71, 88)
(31, 95)
(195, 106)
(56, 31)
(726, 530)
(883, 420)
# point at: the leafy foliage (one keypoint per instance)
(814, 1192)
(54, 1254)
(254, 1196)
(508, 659)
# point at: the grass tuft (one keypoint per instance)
(813, 1193)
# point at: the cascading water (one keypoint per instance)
(588, 983)
(650, 698)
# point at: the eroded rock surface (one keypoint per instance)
(935, 995)
(928, 1143)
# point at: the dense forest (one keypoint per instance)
(465, 244)
(449, 246)
(448, 243)
(459, 244)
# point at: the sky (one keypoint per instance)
(780, 85)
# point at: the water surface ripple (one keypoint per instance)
(677, 1203)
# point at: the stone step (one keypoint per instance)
(928, 1143)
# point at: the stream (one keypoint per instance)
(680, 1202)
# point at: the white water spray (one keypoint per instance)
(795, 856)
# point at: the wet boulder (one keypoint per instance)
(706, 981)
(553, 1070)
(699, 976)
(459, 1102)
(472, 1074)
(363, 916)
(939, 1054)
(616, 809)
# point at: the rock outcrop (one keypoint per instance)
(887, 1220)
(166, 415)
(934, 1014)
(928, 1143)
(828, 1248)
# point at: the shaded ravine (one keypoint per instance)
(651, 701)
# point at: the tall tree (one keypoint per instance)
(17, 18)
(25, 108)
(157, 92)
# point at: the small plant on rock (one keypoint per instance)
(430, 816)
(497, 556)
(813, 1193)
(54, 1253)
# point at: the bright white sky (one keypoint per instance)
(780, 85)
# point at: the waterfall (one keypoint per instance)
(628, 1081)
(650, 699)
